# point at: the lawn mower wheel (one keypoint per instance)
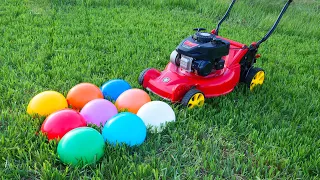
(193, 98)
(254, 77)
(141, 76)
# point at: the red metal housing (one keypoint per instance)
(173, 82)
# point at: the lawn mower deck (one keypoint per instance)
(173, 82)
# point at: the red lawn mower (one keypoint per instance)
(206, 65)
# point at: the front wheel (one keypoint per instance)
(254, 77)
(193, 98)
(141, 75)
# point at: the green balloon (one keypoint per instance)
(81, 146)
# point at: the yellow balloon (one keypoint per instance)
(46, 103)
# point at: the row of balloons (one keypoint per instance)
(122, 113)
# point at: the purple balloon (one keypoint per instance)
(98, 111)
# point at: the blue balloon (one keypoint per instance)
(125, 127)
(112, 89)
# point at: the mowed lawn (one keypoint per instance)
(271, 133)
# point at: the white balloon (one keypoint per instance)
(156, 114)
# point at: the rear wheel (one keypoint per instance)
(141, 75)
(255, 77)
(193, 98)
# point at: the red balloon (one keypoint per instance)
(57, 124)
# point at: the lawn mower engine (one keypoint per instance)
(200, 53)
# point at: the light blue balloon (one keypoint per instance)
(112, 89)
(125, 127)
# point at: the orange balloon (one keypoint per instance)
(132, 99)
(82, 93)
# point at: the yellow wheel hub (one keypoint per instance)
(257, 79)
(196, 100)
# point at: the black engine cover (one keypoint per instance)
(204, 46)
(203, 68)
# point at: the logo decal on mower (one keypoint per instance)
(187, 44)
(166, 79)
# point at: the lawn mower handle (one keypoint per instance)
(275, 24)
(224, 17)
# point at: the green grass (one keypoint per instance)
(271, 133)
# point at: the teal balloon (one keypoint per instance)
(81, 146)
(125, 127)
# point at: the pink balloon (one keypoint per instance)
(98, 111)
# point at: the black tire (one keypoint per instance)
(187, 98)
(141, 75)
(251, 77)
